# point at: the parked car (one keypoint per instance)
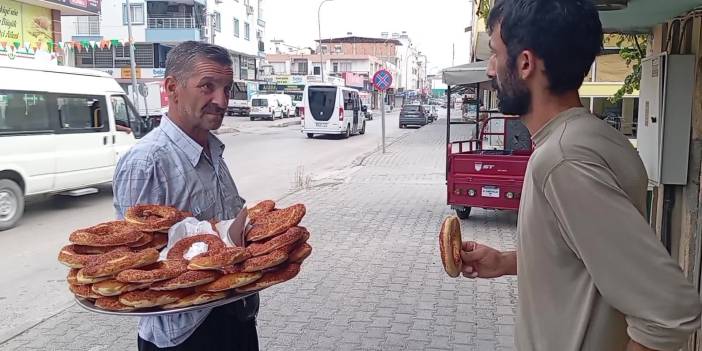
(288, 107)
(432, 112)
(413, 114)
(265, 107)
(59, 138)
(331, 109)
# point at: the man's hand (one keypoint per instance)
(480, 261)
(635, 346)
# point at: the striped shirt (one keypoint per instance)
(168, 167)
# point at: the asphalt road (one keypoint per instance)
(267, 162)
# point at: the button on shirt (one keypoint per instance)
(168, 167)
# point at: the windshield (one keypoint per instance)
(322, 100)
(410, 108)
(239, 91)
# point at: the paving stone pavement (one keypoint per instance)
(374, 280)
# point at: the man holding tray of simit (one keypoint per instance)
(180, 164)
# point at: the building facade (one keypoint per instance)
(157, 26)
(31, 31)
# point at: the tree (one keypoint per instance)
(632, 48)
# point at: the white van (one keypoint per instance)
(265, 107)
(331, 109)
(62, 130)
(288, 106)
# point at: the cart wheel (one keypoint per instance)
(463, 212)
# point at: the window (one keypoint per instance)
(217, 21)
(87, 25)
(337, 49)
(323, 48)
(348, 100)
(23, 112)
(236, 27)
(335, 67)
(126, 117)
(82, 113)
(316, 70)
(137, 13)
(247, 31)
(299, 67)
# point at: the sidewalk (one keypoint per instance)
(374, 280)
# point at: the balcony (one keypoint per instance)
(161, 28)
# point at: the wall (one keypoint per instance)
(230, 9)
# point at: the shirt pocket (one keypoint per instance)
(202, 204)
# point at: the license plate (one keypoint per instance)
(320, 125)
(491, 191)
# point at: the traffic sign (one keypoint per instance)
(382, 80)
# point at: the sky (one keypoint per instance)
(433, 26)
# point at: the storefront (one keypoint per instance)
(31, 31)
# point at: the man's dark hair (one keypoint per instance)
(182, 58)
(565, 34)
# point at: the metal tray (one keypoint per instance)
(88, 305)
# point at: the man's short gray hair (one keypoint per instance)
(182, 58)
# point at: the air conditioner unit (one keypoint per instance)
(204, 32)
(259, 35)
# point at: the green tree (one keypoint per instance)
(632, 48)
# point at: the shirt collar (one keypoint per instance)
(540, 137)
(185, 143)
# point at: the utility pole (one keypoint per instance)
(319, 29)
(132, 62)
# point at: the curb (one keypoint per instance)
(225, 130)
(286, 124)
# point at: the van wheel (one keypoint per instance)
(348, 132)
(363, 129)
(310, 135)
(11, 204)
(252, 118)
(463, 212)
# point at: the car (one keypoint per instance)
(432, 112)
(413, 114)
(265, 107)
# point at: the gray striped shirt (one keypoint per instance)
(168, 167)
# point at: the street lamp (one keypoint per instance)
(319, 29)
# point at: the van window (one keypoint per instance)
(322, 100)
(82, 113)
(259, 102)
(125, 116)
(348, 100)
(22, 112)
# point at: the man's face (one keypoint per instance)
(513, 94)
(203, 98)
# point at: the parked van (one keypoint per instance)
(62, 130)
(266, 107)
(331, 109)
(288, 105)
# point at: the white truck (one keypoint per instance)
(153, 100)
(239, 100)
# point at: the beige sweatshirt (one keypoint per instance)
(592, 273)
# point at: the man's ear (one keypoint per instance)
(170, 85)
(526, 64)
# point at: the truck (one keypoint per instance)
(238, 100)
(153, 99)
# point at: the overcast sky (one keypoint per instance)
(433, 26)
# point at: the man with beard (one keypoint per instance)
(180, 164)
(591, 273)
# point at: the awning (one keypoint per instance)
(641, 15)
(469, 73)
